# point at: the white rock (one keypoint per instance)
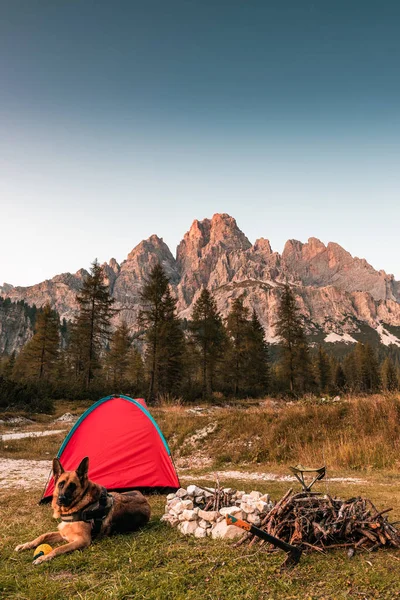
(177, 509)
(200, 532)
(240, 494)
(171, 519)
(187, 504)
(193, 490)
(204, 524)
(66, 418)
(262, 506)
(187, 527)
(247, 498)
(208, 515)
(254, 519)
(230, 510)
(174, 502)
(181, 493)
(19, 420)
(226, 532)
(170, 497)
(189, 515)
(255, 495)
(265, 498)
(199, 499)
(181, 517)
(247, 507)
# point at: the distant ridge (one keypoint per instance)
(343, 298)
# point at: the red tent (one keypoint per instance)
(125, 446)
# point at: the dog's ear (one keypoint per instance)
(57, 468)
(83, 468)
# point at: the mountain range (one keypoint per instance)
(343, 298)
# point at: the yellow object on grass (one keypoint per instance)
(41, 550)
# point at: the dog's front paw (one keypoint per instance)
(22, 547)
(42, 559)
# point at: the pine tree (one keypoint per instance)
(366, 369)
(287, 328)
(118, 356)
(61, 375)
(150, 319)
(351, 369)
(389, 376)
(361, 368)
(304, 373)
(208, 335)
(38, 358)
(135, 373)
(8, 366)
(323, 370)
(257, 357)
(76, 352)
(164, 338)
(371, 369)
(91, 329)
(339, 378)
(172, 348)
(295, 358)
(237, 325)
(192, 383)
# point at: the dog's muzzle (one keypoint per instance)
(64, 500)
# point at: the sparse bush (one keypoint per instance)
(29, 397)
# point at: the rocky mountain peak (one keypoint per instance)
(219, 234)
(6, 288)
(224, 231)
(316, 244)
(114, 265)
(262, 245)
(153, 245)
(334, 290)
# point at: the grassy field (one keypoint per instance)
(159, 563)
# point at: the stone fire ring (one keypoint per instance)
(185, 510)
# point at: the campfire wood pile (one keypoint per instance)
(315, 522)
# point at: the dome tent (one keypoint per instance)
(125, 446)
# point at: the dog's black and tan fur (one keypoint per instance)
(74, 492)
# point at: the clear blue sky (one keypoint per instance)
(126, 118)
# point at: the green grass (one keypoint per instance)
(159, 563)
(359, 437)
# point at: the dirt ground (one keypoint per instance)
(29, 473)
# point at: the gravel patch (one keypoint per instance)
(246, 476)
(16, 473)
(30, 434)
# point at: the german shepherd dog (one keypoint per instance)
(87, 510)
